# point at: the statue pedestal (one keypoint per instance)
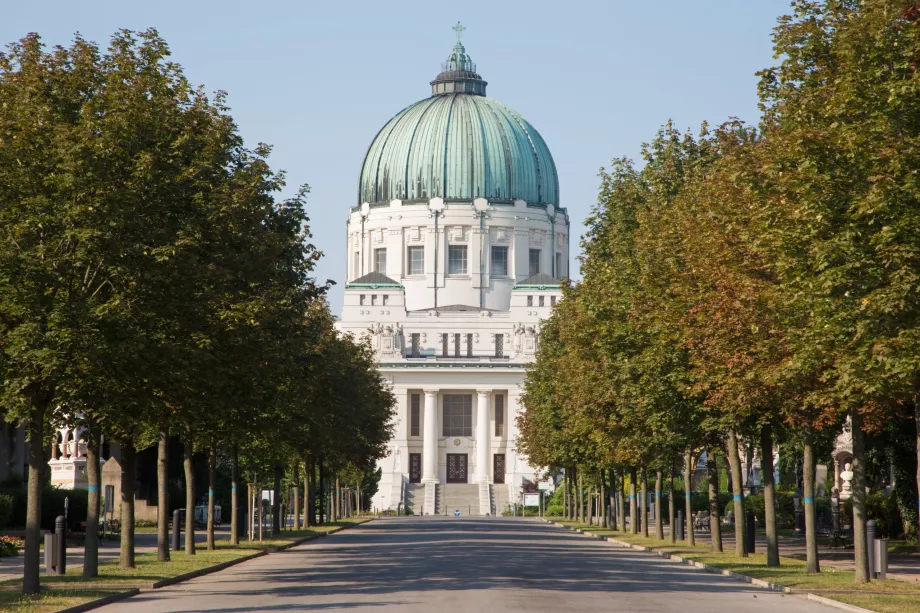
(69, 473)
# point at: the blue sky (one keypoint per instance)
(317, 80)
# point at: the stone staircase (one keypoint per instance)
(415, 497)
(500, 499)
(462, 496)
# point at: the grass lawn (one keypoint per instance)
(147, 571)
(48, 602)
(883, 596)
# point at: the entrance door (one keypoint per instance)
(456, 467)
(415, 468)
(498, 468)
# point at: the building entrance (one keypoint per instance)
(415, 468)
(498, 468)
(456, 468)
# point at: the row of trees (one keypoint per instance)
(153, 288)
(758, 284)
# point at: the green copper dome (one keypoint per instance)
(458, 145)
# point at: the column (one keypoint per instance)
(483, 445)
(430, 441)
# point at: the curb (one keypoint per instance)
(719, 571)
(100, 602)
(837, 605)
(205, 571)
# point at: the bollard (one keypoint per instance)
(679, 520)
(49, 553)
(177, 528)
(870, 547)
(881, 558)
(60, 545)
(750, 526)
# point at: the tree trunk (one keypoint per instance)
(734, 464)
(322, 493)
(633, 511)
(859, 498)
(126, 559)
(276, 502)
(602, 498)
(614, 515)
(581, 497)
(671, 507)
(308, 492)
(189, 494)
(212, 483)
(163, 494)
(234, 495)
(917, 443)
(688, 498)
(769, 496)
(296, 506)
(643, 508)
(37, 463)
(659, 525)
(621, 501)
(811, 534)
(94, 482)
(715, 527)
(565, 495)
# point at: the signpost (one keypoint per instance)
(533, 500)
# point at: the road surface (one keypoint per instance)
(469, 565)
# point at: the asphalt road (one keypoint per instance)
(451, 565)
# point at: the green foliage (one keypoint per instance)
(6, 510)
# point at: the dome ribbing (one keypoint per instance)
(458, 145)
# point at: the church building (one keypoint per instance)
(456, 247)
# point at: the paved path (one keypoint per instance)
(901, 566)
(145, 542)
(469, 565)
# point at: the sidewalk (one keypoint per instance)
(146, 542)
(901, 566)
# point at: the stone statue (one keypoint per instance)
(846, 478)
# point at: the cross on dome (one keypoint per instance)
(459, 30)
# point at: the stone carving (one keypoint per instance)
(846, 491)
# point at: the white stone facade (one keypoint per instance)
(452, 295)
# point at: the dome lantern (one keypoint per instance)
(458, 74)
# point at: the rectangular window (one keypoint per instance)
(534, 262)
(469, 345)
(558, 272)
(362, 299)
(373, 299)
(385, 299)
(458, 415)
(416, 260)
(499, 345)
(499, 261)
(416, 344)
(499, 415)
(456, 260)
(444, 345)
(415, 414)
(380, 260)
(542, 300)
(456, 345)
(529, 300)
(552, 301)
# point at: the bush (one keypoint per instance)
(10, 546)
(6, 509)
(554, 510)
(144, 523)
(52, 506)
(883, 508)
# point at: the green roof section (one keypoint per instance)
(458, 145)
(539, 281)
(374, 280)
